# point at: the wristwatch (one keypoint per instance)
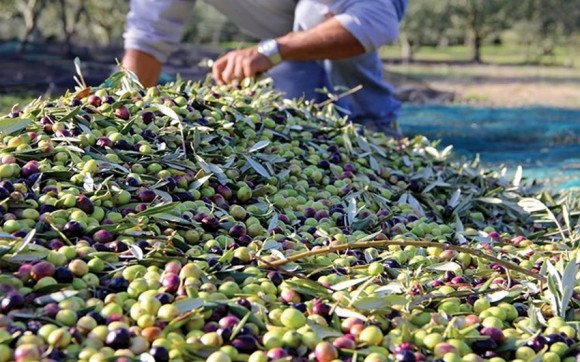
(269, 49)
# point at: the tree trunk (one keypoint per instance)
(30, 10)
(406, 49)
(65, 27)
(474, 21)
(475, 45)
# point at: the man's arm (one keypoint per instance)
(363, 26)
(328, 40)
(144, 65)
(153, 31)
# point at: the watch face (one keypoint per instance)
(269, 48)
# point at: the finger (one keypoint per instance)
(238, 69)
(217, 70)
(247, 69)
(228, 71)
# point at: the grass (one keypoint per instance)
(20, 98)
(495, 54)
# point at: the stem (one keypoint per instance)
(421, 244)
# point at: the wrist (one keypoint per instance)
(271, 50)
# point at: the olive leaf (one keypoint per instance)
(189, 304)
(323, 332)
(273, 223)
(136, 251)
(200, 182)
(349, 283)
(159, 209)
(377, 303)
(308, 287)
(259, 145)
(56, 297)
(27, 239)
(13, 125)
(257, 167)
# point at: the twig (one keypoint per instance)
(334, 98)
(421, 244)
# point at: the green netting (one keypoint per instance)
(545, 141)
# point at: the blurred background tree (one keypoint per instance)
(539, 27)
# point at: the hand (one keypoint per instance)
(240, 64)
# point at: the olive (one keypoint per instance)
(118, 339)
(12, 301)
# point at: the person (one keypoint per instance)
(306, 45)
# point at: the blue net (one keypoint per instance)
(545, 141)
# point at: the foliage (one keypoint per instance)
(539, 25)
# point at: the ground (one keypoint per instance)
(495, 85)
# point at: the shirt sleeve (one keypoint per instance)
(156, 27)
(374, 23)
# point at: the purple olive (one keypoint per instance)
(484, 345)
(94, 100)
(109, 100)
(148, 134)
(146, 195)
(494, 333)
(228, 321)
(104, 142)
(103, 236)
(554, 337)
(118, 284)
(210, 223)
(85, 204)
(118, 339)
(225, 191)
(321, 214)
(12, 301)
(72, 229)
(42, 269)
(46, 120)
(344, 342)
(170, 282)
(309, 212)
(275, 277)
(117, 246)
(123, 145)
(537, 343)
(122, 112)
(244, 343)
(4, 193)
(405, 356)
(237, 231)
(159, 353)
(29, 168)
(276, 353)
(147, 117)
(50, 310)
(63, 274)
(321, 309)
(212, 326)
